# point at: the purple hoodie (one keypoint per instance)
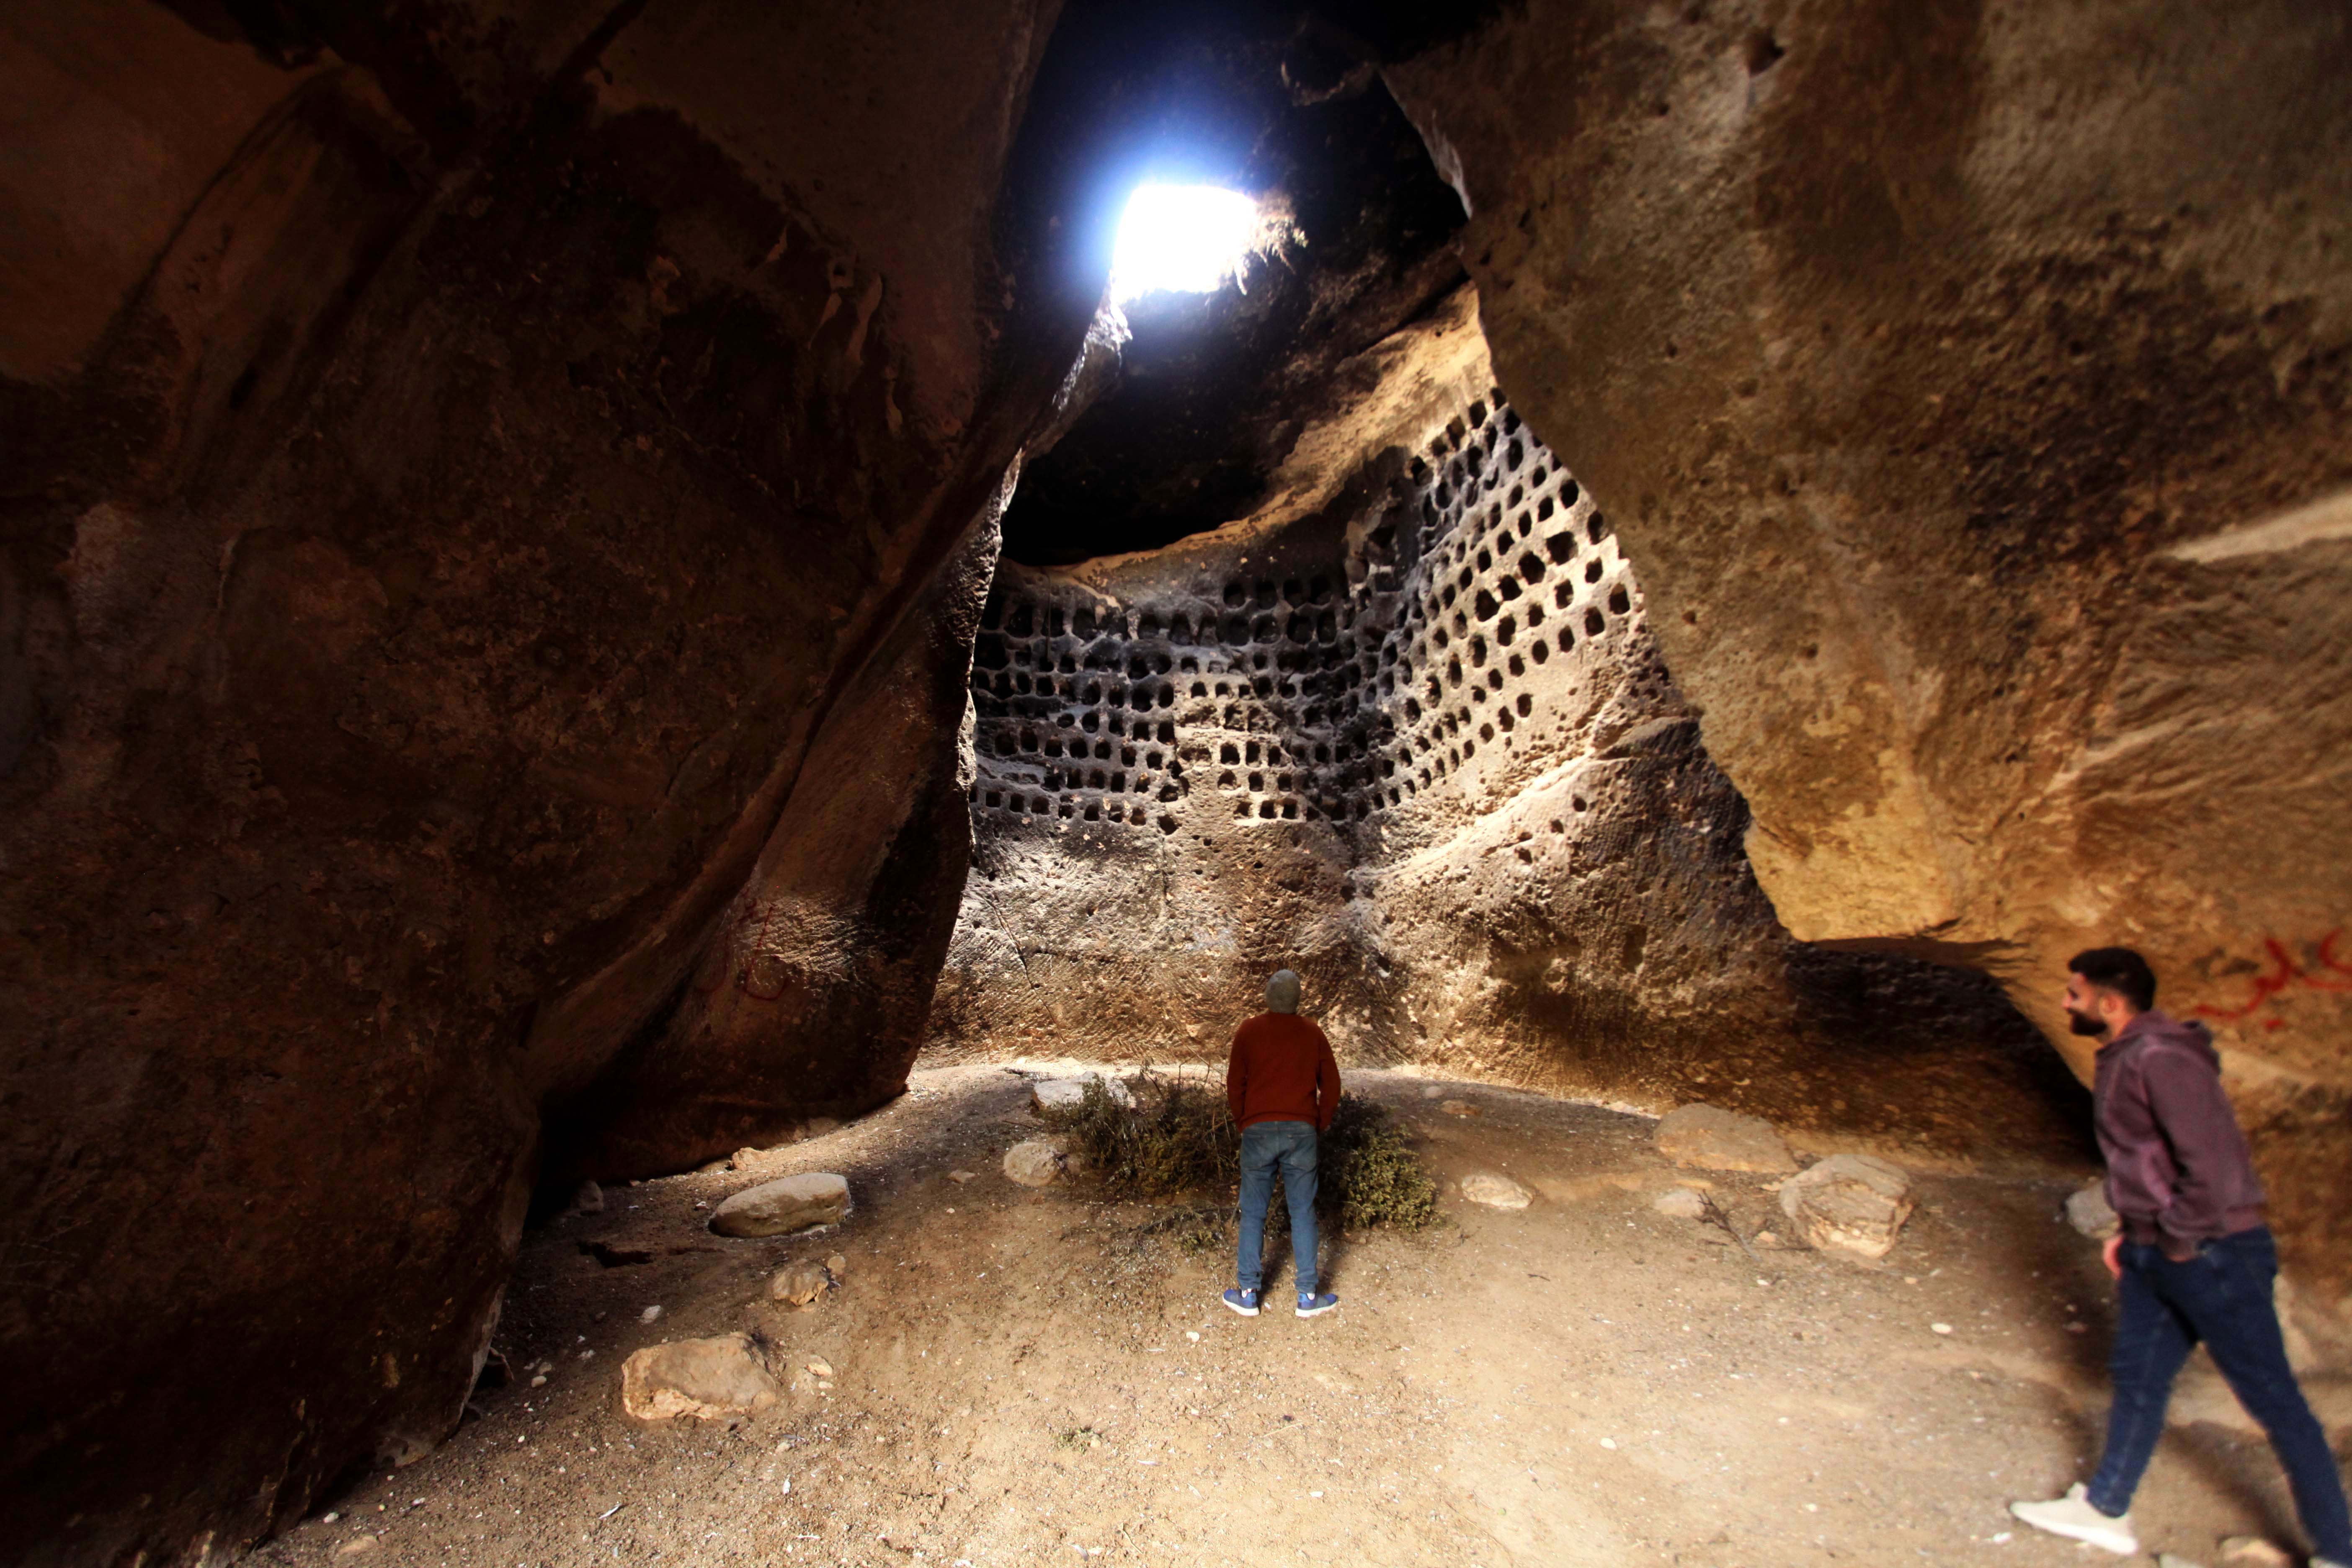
(2178, 1169)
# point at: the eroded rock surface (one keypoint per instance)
(1978, 413)
(1405, 729)
(486, 506)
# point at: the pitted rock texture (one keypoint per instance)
(1981, 416)
(1406, 730)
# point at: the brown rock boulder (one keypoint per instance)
(1976, 412)
(709, 1378)
(1853, 1204)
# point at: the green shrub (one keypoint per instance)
(1180, 1141)
(1369, 1173)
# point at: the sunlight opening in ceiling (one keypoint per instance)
(1182, 239)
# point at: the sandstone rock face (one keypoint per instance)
(1977, 415)
(781, 1207)
(1714, 1139)
(1406, 730)
(1853, 1204)
(490, 510)
(704, 1378)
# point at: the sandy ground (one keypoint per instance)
(1027, 1377)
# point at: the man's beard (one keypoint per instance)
(2085, 1023)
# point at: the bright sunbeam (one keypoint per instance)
(1188, 239)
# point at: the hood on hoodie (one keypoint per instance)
(2156, 1027)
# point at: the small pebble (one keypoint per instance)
(650, 1314)
(1609, 1442)
(1193, 1335)
(1941, 1327)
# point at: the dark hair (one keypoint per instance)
(2119, 970)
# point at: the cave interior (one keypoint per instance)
(587, 590)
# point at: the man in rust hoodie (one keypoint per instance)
(1284, 1088)
(2193, 1261)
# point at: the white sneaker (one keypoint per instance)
(2073, 1517)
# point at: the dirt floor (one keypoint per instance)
(1031, 1377)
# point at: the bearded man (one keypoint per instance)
(2193, 1261)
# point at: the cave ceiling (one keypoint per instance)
(1211, 391)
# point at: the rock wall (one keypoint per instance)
(1406, 731)
(1972, 382)
(484, 503)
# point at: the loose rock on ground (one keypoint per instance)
(1494, 1191)
(1035, 1162)
(781, 1207)
(719, 1376)
(1853, 1204)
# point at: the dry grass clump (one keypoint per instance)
(1180, 1141)
(1179, 1138)
(1369, 1173)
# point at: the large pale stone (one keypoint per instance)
(719, 1377)
(1035, 1163)
(1492, 1190)
(1714, 1139)
(774, 1208)
(1849, 1203)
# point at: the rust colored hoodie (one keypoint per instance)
(2178, 1169)
(1282, 1070)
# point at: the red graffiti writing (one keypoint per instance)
(2322, 972)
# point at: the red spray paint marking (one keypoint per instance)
(2325, 973)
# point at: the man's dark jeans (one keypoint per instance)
(2223, 1298)
(1288, 1146)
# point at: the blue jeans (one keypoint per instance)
(1289, 1146)
(2221, 1297)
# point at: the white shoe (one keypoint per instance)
(2073, 1517)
